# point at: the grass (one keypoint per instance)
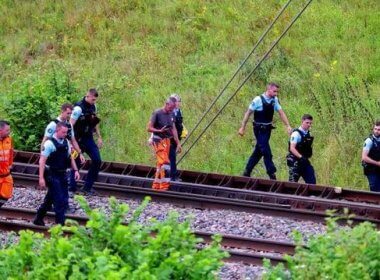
(138, 52)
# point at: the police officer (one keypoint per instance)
(263, 108)
(300, 151)
(371, 158)
(178, 121)
(64, 116)
(54, 161)
(85, 122)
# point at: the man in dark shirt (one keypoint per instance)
(161, 124)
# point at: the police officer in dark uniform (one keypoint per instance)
(371, 158)
(54, 161)
(85, 122)
(178, 121)
(300, 151)
(66, 111)
(263, 108)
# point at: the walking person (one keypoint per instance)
(371, 158)
(161, 124)
(178, 121)
(6, 162)
(85, 121)
(300, 151)
(263, 108)
(64, 116)
(54, 161)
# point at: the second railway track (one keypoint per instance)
(241, 249)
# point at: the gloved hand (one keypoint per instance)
(303, 161)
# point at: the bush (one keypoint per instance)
(107, 249)
(35, 102)
(341, 253)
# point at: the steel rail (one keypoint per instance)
(234, 243)
(206, 197)
(235, 182)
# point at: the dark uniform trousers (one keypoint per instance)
(262, 149)
(302, 169)
(173, 160)
(57, 195)
(374, 182)
(88, 145)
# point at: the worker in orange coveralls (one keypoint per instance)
(6, 161)
(161, 124)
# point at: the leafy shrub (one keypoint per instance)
(341, 253)
(107, 249)
(35, 102)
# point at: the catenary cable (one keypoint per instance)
(247, 78)
(238, 69)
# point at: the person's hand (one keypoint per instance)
(289, 129)
(100, 142)
(241, 131)
(76, 175)
(303, 161)
(81, 158)
(41, 184)
(179, 148)
(164, 129)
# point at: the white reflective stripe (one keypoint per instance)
(156, 180)
(156, 137)
(166, 166)
(165, 180)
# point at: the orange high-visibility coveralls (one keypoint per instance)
(6, 161)
(162, 176)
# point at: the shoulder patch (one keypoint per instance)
(50, 130)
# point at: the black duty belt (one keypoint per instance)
(263, 126)
(49, 169)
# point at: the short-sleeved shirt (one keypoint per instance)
(368, 143)
(257, 103)
(49, 147)
(161, 119)
(77, 112)
(295, 137)
(51, 127)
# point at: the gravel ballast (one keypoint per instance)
(216, 221)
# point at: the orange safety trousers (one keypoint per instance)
(162, 176)
(6, 161)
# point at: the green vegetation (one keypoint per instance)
(107, 249)
(341, 253)
(138, 52)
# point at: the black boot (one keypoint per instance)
(272, 176)
(38, 221)
(246, 174)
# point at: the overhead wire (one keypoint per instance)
(248, 76)
(238, 69)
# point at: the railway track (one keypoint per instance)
(228, 181)
(202, 196)
(241, 249)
